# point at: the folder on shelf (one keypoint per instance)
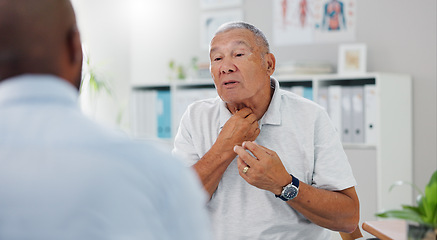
(163, 110)
(148, 108)
(358, 114)
(143, 109)
(297, 90)
(346, 114)
(334, 100)
(322, 98)
(370, 114)
(184, 97)
(134, 113)
(308, 93)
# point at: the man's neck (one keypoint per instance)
(259, 104)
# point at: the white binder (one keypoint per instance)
(370, 114)
(346, 114)
(358, 114)
(297, 90)
(322, 98)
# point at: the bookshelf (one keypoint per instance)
(377, 161)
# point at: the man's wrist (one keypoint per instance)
(290, 190)
(285, 181)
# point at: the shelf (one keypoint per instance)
(377, 163)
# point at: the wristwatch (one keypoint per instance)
(291, 190)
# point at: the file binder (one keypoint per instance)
(308, 93)
(163, 110)
(297, 90)
(184, 97)
(322, 98)
(358, 114)
(370, 114)
(346, 114)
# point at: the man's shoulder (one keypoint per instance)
(206, 103)
(288, 97)
(204, 106)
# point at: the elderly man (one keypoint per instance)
(271, 161)
(61, 175)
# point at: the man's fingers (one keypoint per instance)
(252, 118)
(245, 156)
(257, 150)
(244, 112)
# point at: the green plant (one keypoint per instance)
(94, 84)
(426, 210)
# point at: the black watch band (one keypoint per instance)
(295, 183)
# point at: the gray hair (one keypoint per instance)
(261, 38)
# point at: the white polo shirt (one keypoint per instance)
(302, 135)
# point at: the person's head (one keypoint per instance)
(241, 64)
(39, 37)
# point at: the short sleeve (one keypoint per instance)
(332, 170)
(183, 143)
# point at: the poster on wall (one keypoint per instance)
(313, 21)
(212, 20)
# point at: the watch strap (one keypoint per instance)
(294, 182)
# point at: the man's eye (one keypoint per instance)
(217, 59)
(239, 54)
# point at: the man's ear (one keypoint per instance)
(73, 67)
(74, 46)
(271, 63)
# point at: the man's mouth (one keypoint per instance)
(230, 83)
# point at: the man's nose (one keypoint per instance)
(227, 66)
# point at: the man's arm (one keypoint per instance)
(242, 126)
(335, 210)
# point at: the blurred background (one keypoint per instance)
(134, 42)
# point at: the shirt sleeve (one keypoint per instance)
(332, 170)
(183, 144)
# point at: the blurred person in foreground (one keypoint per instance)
(61, 175)
(271, 161)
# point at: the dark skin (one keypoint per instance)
(39, 37)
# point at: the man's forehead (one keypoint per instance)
(232, 43)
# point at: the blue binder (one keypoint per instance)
(164, 114)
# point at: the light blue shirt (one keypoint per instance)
(64, 177)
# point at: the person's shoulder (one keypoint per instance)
(205, 103)
(291, 98)
(204, 106)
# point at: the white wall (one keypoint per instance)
(400, 35)
(162, 31)
(106, 31)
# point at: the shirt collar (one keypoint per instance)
(272, 116)
(29, 87)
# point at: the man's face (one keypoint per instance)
(238, 66)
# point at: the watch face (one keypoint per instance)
(289, 192)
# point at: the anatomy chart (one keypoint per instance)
(313, 21)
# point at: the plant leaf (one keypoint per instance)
(400, 183)
(401, 214)
(429, 202)
(411, 208)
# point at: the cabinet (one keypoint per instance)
(377, 161)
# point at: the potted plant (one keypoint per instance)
(424, 214)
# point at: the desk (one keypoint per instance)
(387, 229)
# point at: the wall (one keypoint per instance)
(105, 28)
(400, 35)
